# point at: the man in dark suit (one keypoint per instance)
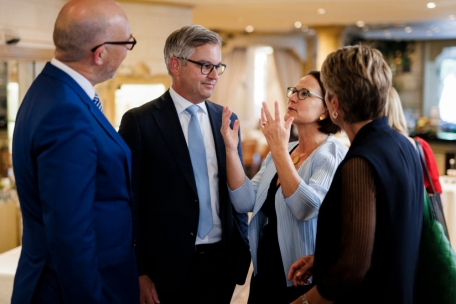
(193, 245)
(73, 170)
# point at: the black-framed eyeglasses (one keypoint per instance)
(206, 68)
(302, 94)
(130, 44)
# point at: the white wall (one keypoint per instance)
(33, 21)
(151, 25)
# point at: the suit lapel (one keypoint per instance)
(165, 115)
(55, 72)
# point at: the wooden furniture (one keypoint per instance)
(10, 224)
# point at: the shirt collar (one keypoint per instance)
(81, 80)
(182, 104)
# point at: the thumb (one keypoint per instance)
(236, 125)
(288, 123)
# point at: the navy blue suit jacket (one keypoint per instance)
(165, 196)
(73, 180)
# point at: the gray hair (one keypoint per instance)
(182, 42)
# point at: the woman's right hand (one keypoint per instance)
(230, 136)
(301, 270)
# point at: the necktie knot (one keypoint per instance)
(193, 110)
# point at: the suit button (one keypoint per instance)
(192, 234)
(196, 201)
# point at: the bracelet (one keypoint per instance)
(304, 299)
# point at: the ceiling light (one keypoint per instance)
(408, 29)
(360, 23)
(321, 11)
(431, 5)
(298, 24)
(249, 29)
(304, 28)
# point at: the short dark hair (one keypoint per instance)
(326, 125)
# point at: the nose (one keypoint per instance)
(213, 74)
(293, 98)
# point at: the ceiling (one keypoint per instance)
(384, 19)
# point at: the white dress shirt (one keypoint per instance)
(182, 104)
(81, 80)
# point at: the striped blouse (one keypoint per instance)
(297, 214)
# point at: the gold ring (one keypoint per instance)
(263, 123)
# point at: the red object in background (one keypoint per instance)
(432, 167)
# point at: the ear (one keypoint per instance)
(174, 65)
(98, 56)
(334, 101)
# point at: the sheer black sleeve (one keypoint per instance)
(358, 211)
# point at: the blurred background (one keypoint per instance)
(268, 45)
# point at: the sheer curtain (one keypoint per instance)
(289, 67)
(230, 88)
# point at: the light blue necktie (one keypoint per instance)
(97, 102)
(199, 164)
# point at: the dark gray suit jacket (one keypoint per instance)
(165, 197)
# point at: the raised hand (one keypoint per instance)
(277, 134)
(230, 136)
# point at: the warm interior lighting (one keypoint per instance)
(134, 95)
(304, 28)
(360, 23)
(249, 29)
(321, 11)
(298, 24)
(431, 5)
(408, 29)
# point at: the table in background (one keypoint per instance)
(449, 205)
(8, 266)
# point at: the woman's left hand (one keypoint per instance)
(277, 135)
(301, 270)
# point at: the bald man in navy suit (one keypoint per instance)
(73, 170)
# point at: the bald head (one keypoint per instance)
(82, 24)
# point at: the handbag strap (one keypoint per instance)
(423, 162)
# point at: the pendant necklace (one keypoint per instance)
(296, 159)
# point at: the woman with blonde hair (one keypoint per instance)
(370, 222)
(396, 120)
